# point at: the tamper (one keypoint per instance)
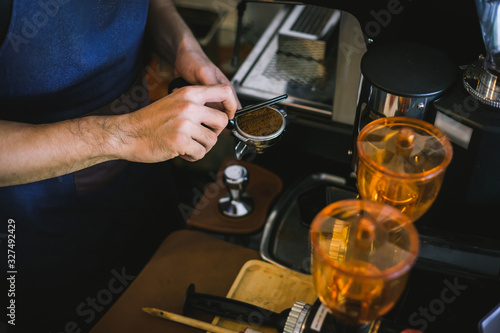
(236, 203)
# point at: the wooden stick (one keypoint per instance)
(187, 321)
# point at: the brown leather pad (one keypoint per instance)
(263, 186)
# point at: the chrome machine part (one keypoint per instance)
(482, 84)
(481, 79)
(295, 322)
(400, 79)
(389, 105)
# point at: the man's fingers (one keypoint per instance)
(199, 145)
(214, 119)
(195, 152)
(181, 124)
(205, 137)
(220, 93)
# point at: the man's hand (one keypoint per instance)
(180, 124)
(185, 123)
(177, 125)
(194, 66)
(172, 40)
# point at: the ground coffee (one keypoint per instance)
(261, 122)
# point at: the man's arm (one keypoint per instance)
(167, 30)
(177, 125)
(34, 152)
(171, 39)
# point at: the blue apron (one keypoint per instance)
(76, 233)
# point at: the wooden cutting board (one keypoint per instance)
(269, 286)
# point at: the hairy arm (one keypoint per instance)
(167, 30)
(181, 124)
(35, 152)
(172, 39)
(177, 125)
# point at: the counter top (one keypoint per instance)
(183, 258)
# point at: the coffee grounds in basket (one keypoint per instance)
(261, 122)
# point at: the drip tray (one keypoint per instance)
(285, 241)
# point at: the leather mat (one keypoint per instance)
(263, 186)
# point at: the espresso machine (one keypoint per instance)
(433, 61)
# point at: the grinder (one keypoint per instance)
(362, 252)
(400, 78)
(469, 114)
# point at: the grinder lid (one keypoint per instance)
(365, 238)
(408, 69)
(404, 147)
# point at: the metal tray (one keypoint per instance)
(285, 239)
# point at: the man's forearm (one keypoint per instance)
(177, 125)
(36, 152)
(167, 30)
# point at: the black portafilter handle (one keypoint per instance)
(176, 83)
(233, 309)
(302, 317)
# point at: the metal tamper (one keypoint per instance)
(236, 203)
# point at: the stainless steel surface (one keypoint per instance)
(390, 105)
(302, 64)
(277, 72)
(310, 22)
(489, 87)
(481, 80)
(481, 84)
(236, 203)
(285, 239)
(489, 19)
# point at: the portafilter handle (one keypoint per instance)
(300, 318)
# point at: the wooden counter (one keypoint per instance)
(184, 257)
